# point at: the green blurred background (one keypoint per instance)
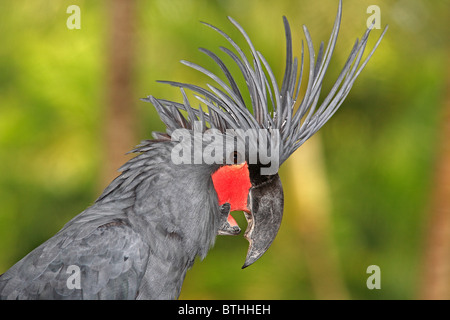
(359, 193)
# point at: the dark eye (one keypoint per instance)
(235, 157)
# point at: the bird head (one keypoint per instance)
(244, 145)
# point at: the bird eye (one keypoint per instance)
(235, 157)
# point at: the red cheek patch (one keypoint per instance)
(232, 184)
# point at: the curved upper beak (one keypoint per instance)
(265, 203)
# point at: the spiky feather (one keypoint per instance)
(273, 107)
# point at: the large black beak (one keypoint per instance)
(265, 202)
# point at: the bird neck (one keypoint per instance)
(173, 207)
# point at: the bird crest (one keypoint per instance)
(273, 107)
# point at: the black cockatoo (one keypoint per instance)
(175, 196)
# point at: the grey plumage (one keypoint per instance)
(135, 242)
(226, 106)
(143, 233)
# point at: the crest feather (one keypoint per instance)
(272, 106)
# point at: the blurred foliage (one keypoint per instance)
(378, 150)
